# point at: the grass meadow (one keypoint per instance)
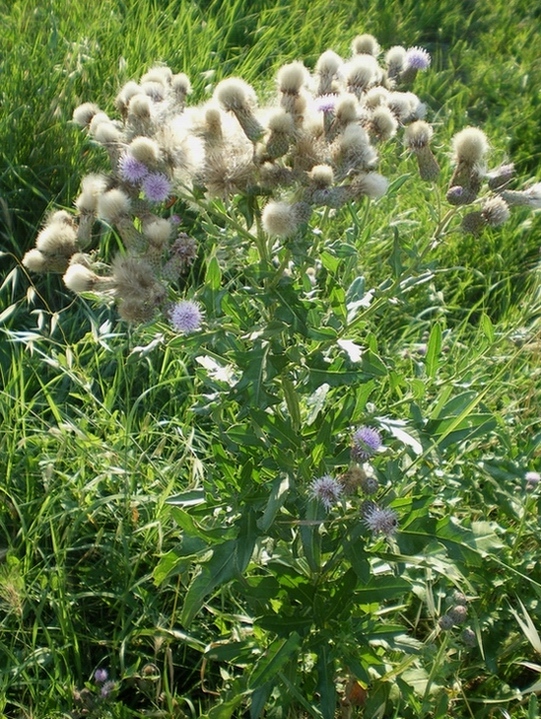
(156, 520)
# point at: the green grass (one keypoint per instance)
(102, 424)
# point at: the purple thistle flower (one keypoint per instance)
(326, 103)
(100, 675)
(366, 442)
(156, 187)
(185, 316)
(132, 170)
(106, 689)
(416, 58)
(380, 521)
(327, 490)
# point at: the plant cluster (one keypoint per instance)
(313, 529)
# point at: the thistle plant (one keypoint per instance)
(311, 505)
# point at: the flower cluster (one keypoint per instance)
(366, 442)
(315, 142)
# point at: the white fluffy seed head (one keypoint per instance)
(57, 237)
(374, 185)
(98, 119)
(181, 84)
(354, 138)
(113, 205)
(279, 219)
(123, 98)
(157, 230)
(83, 114)
(418, 135)
(106, 133)
(282, 122)
(322, 175)
(362, 71)
(92, 187)
(292, 77)
(375, 96)
(328, 63)
(495, 211)
(470, 145)
(383, 122)
(159, 73)
(35, 261)
(394, 59)
(235, 94)
(79, 278)
(365, 44)
(140, 106)
(144, 150)
(347, 108)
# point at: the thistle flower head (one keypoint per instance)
(532, 479)
(101, 675)
(394, 60)
(181, 85)
(131, 169)
(156, 187)
(365, 45)
(328, 63)
(383, 124)
(235, 94)
(158, 74)
(123, 98)
(279, 219)
(92, 186)
(326, 103)
(112, 205)
(145, 150)
(185, 316)
(470, 146)
(458, 614)
(140, 106)
(347, 108)
(292, 77)
(416, 58)
(366, 442)
(418, 135)
(380, 521)
(327, 490)
(156, 91)
(495, 211)
(83, 114)
(361, 72)
(79, 278)
(322, 175)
